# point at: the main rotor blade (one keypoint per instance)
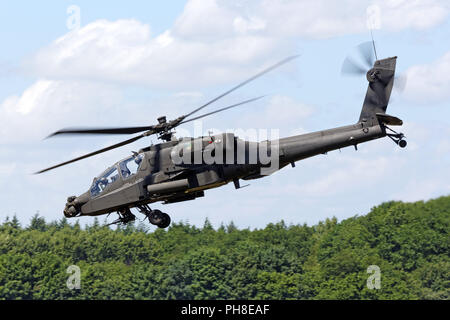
(117, 145)
(222, 109)
(131, 130)
(244, 83)
(124, 130)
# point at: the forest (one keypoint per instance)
(407, 242)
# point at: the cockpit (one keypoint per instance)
(130, 166)
(124, 169)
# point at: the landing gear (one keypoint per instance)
(402, 143)
(398, 138)
(156, 217)
(161, 219)
(125, 216)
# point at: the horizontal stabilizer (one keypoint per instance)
(390, 120)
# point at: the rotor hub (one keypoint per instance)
(162, 120)
(372, 75)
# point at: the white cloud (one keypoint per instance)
(443, 147)
(417, 14)
(424, 189)
(205, 20)
(215, 41)
(29, 99)
(349, 174)
(302, 18)
(48, 105)
(280, 112)
(124, 51)
(429, 83)
(287, 110)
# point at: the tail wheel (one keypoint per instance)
(402, 143)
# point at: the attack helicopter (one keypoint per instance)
(182, 169)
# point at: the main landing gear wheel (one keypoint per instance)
(159, 218)
(165, 221)
(156, 217)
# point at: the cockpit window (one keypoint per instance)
(103, 181)
(130, 166)
(127, 167)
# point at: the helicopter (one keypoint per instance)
(182, 169)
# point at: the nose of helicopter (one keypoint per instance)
(73, 205)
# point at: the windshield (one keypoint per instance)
(127, 167)
(103, 181)
(130, 166)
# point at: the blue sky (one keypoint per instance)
(129, 63)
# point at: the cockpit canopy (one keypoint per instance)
(130, 166)
(127, 168)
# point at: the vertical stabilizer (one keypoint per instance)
(381, 80)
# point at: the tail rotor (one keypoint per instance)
(353, 67)
(367, 58)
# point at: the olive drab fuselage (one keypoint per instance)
(160, 178)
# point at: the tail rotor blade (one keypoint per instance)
(351, 67)
(366, 51)
(400, 82)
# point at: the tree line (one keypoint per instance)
(408, 243)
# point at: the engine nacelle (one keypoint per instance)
(167, 187)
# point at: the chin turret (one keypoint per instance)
(73, 205)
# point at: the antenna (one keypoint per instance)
(373, 43)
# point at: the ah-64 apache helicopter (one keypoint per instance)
(156, 173)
